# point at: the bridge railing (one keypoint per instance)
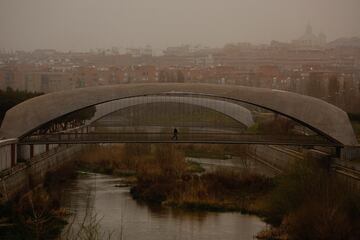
(7, 154)
(199, 137)
(350, 153)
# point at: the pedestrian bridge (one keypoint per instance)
(43, 133)
(93, 115)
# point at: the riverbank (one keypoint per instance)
(306, 197)
(38, 214)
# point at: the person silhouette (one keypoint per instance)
(175, 134)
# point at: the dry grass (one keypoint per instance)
(312, 203)
(219, 151)
(121, 159)
(220, 190)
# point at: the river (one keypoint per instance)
(125, 218)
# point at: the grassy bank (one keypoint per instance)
(218, 151)
(113, 160)
(309, 202)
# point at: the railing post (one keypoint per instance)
(31, 151)
(338, 151)
(13, 155)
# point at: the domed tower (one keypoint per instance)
(309, 30)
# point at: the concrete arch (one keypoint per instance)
(320, 116)
(232, 110)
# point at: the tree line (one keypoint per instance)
(9, 98)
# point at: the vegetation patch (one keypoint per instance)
(308, 202)
(116, 160)
(195, 167)
(215, 151)
(38, 214)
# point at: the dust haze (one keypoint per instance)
(81, 25)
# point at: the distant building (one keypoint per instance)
(177, 51)
(110, 76)
(44, 52)
(13, 76)
(309, 39)
(85, 77)
(140, 52)
(204, 60)
(147, 51)
(140, 74)
(47, 82)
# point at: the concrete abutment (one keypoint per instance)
(26, 175)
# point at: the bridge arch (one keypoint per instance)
(318, 115)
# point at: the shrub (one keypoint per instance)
(315, 204)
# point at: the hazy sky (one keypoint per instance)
(85, 24)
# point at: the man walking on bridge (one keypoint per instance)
(175, 135)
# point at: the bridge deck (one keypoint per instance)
(225, 138)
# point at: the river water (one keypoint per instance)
(124, 218)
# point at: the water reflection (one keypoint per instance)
(121, 215)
